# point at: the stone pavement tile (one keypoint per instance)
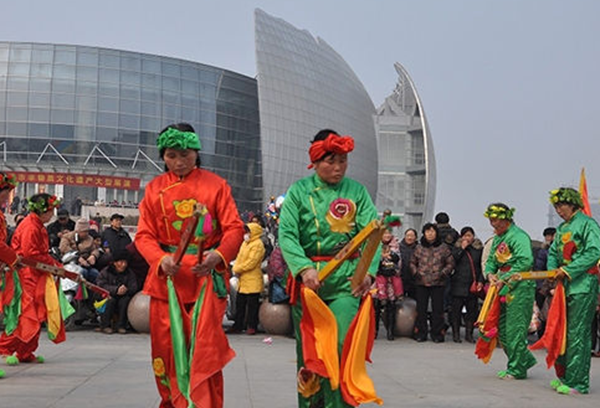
(99, 371)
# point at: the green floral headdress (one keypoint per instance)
(566, 195)
(177, 139)
(8, 181)
(499, 211)
(41, 205)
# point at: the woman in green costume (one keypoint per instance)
(321, 213)
(575, 253)
(511, 253)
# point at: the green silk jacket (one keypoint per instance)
(511, 253)
(318, 219)
(576, 248)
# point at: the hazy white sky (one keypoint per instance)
(511, 88)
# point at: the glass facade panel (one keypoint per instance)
(292, 62)
(80, 97)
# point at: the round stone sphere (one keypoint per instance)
(275, 319)
(406, 315)
(138, 312)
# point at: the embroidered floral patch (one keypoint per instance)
(159, 370)
(503, 253)
(183, 209)
(341, 215)
(566, 237)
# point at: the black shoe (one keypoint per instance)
(420, 339)
(438, 340)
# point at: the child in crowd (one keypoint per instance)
(389, 289)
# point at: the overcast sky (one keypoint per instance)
(511, 88)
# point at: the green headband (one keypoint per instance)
(41, 205)
(176, 139)
(501, 213)
(566, 195)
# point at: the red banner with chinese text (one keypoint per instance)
(74, 179)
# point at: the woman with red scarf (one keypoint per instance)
(321, 213)
(188, 300)
(39, 297)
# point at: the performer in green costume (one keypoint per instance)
(321, 213)
(575, 252)
(511, 253)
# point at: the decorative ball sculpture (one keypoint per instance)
(138, 312)
(275, 318)
(406, 315)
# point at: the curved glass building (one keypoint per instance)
(406, 158)
(88, 113)
(305, 86)
(82, 121)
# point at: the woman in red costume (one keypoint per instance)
(8, 257)
(188, 301)
(22, 332)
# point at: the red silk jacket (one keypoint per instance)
(167, 203)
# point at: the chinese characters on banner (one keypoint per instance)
(73, 179)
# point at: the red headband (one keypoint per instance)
(332, 144)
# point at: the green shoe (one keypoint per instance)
(566, 390)
(555, 384)
(12, 360)
(2, 374)
(504, 375)
(40, 359)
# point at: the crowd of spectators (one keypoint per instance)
(442, 270)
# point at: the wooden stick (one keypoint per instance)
(531, 275)
(490, 297)
(349, 249)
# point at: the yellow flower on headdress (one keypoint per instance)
(184, 209)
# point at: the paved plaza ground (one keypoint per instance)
(101, 371)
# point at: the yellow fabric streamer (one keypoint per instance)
(52, 307)
(326, 335)
(355, 376)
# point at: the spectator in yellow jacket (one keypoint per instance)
(247, 268)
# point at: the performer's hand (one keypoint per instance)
(168, 266)
(560, 274)
(364, 286)
(210, 262)
(310, 278)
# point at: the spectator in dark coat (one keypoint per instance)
(138, 265)
(115, 237)
(467, 257)
(448, 235)
(431, 265)
(407, 247)
(121, 283)
(62, 225)
(543, 288)
(11, 230)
